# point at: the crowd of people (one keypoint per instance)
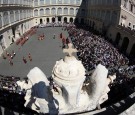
(41, 37)
(25, 36)
(92, 50)
(13, 102)
(29, 58)
(9, 56)
(9, 83)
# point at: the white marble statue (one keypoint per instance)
(68, 93)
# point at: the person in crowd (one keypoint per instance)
(24, 60)
(7, 54)
(60, 35)
(67, 41)
(93, 48)
(10, 61)
(13, 52)
(54, 35)
(29, 56)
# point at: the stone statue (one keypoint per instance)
(67, 92)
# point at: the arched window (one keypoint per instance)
(114, 17)
(53, 19)
(65, 19)
(53, 11)
(53, 1)
(24, 14)
(72, 1)
(66, 11)
(41, 12)
(36, 12)
(11, 1)
(21, 13)
(71, 20)
(65, 1)
(11, 16)
(118, 37)
(16, 1)
(29, 13)
(71, 11)
(0, 21)
(5, 18)
(59, 1)
(17, 15)
(47, 2)
(47, 19)
(59, 11)
(21, 2)
(5, 1)
(125, 44)
(77, 1)
(41, 2)
(36, 2)
(47, 11)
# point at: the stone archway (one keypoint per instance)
(47, 20)
(71, 20)
(59, 18)
(132, 52)
(125, 44)
(118, 37)
(53, 19)
(41, 21)
(14, 29)
(2, 43)
(65, 19)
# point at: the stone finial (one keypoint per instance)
(70, 50)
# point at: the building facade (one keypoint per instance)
(18, 16)
(48, 11)
(115, 19)
(111, 17)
